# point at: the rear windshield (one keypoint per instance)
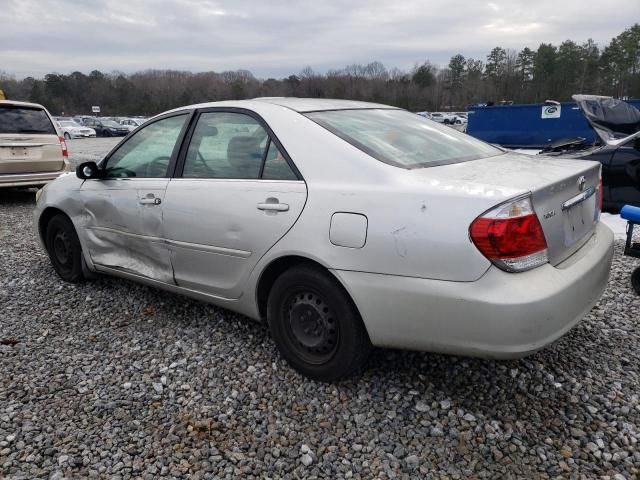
(15, 119)
(403, 139)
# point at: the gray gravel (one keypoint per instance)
(110, 379)
(90, 149)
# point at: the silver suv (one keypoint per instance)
(32, 151)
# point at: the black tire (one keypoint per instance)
(106, 133)
(635, 280)
(316, 325)
(67, 136)
(64, 249)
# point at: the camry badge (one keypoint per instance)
(581, 182)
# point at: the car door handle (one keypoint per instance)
(273, 207)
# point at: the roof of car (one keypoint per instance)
(316, 104)
(20, 104)
(301, 105)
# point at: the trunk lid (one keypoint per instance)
(30, 154)
(563, 192)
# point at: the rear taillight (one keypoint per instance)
(63, 145)
(511, 236)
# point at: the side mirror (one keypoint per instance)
(88, 171)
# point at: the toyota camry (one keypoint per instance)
(344, 225)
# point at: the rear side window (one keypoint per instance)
(276, 166)
(226, 145)
(15, 119)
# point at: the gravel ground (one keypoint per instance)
(110, 379)
(87, 149)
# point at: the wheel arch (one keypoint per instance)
(44, 219)
(278, 266)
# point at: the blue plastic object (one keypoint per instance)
(630, 213)
(523, 126)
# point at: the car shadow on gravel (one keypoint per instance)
(17, 196)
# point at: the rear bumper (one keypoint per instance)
(501, 315)
(29, 179)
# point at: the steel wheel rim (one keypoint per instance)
(62, 249)
(312, 327)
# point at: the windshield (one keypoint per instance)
(402, 139)
(14, 119)
(68, 124)
(109, 123)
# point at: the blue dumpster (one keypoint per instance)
(531, 125)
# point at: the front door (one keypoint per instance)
(123, 221)
(237, 196)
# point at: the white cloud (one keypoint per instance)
(280, 37)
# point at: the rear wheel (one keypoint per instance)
(64, 249)
(315, 325)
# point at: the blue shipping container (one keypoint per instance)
(529, 126)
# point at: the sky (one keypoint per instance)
(276, 38)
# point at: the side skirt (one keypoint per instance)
(235, 305)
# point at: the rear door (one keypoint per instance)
(29, 142)
(123, 211)
(236, 194)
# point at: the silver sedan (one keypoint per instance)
(343, 225)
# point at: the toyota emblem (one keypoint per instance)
(581, 182)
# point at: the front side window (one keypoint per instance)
(402, 139)
(146, 154)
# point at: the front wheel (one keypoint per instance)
(64, 249)
(67, 136)
(316, 326)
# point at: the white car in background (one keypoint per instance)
(132, 123)
(341, 224)
(71, 129)
(443, 117)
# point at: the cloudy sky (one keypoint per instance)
(279, 37)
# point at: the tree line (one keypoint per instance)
(528, 76)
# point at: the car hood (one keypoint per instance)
(611, 119)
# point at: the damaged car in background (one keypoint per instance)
(617, 149)
(343, 225)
